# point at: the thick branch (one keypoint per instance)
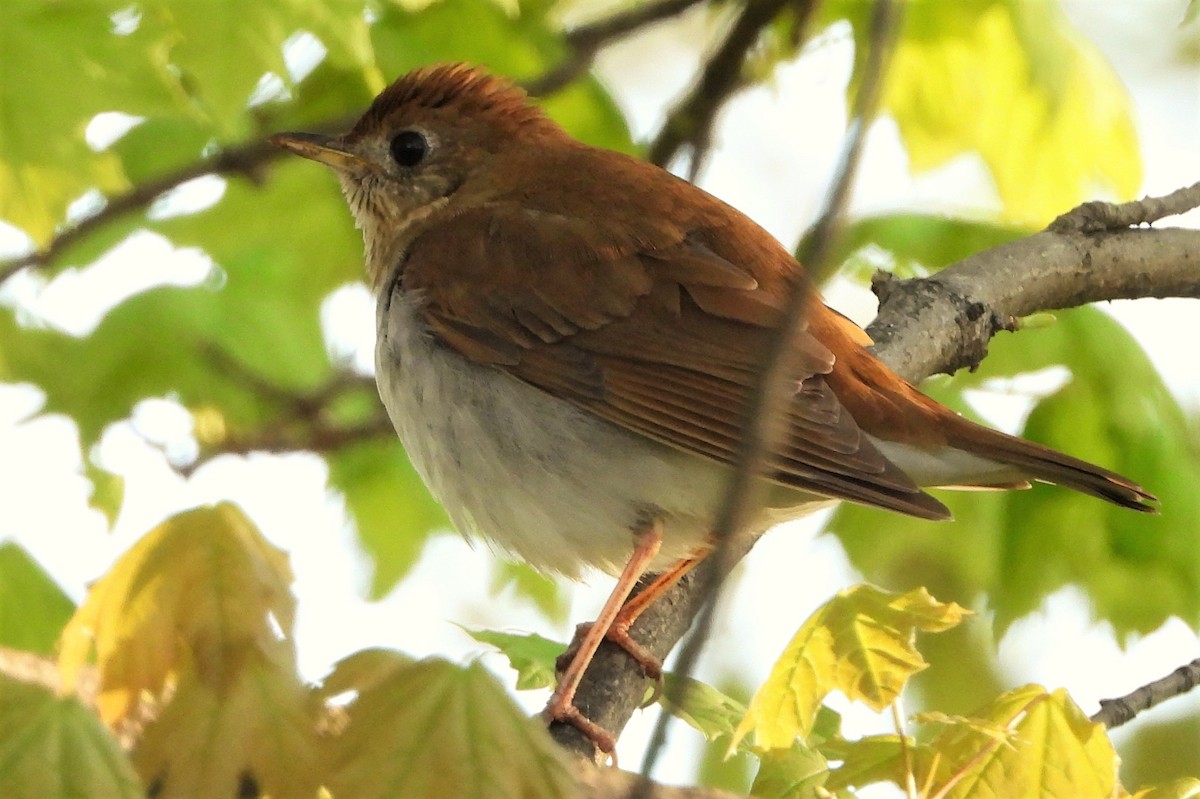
(943, 323)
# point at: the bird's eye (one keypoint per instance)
(409, 147)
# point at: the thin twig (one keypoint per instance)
(246, 159)
(1115, 712)
(318, 436)
(772, 389)
(691, 121)
(587, 40)
(1094, 217)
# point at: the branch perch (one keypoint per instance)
(931, 325)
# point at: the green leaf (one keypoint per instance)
(872, 759)
(707, 710)
(63, 65)
(546, 593)
(108, 491)
(434, 729)
(393, 513)
(1015, 82)
(54, 748)
(214, 345)
(796, 772)
(161, 145)
(521, 43)
(33, 609)
(703, 707)
(915, 244)
(530, 655)
(221, 86)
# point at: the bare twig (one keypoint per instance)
(246, 159)
(1097, 216)
(1115, 712)
(309, 435)
(690, 122)
(587, 40)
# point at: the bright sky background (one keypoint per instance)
(774, 152)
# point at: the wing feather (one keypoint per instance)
(662, 338)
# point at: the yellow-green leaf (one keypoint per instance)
(1015, 82)
(258, 729)
(55, 748)
(859, 643)
(198, 589)
(1053, 751)
(434, 729)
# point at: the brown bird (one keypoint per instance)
(567, 337)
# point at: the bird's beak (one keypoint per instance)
(324, 149)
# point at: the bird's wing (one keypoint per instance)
(661, 338)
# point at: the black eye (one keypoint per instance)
(408, 147)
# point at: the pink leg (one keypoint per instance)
(561, 706)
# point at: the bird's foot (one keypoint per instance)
(619, 634)
(561, 708)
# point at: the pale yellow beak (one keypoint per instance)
(323, 149)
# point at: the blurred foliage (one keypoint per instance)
(1017, 86)
(33, 609)
(203, 602)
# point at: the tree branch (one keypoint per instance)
(246, 159)
(610, 783)
(944, 322)
(931, 325)
(587, 40)
(691, 121)
(1115, 712)
(1096, 216)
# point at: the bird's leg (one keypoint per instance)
(561, 706)
(618, 631)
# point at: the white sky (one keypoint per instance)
(774, 152)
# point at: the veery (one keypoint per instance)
(567, 337)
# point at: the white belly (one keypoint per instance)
(552, 484)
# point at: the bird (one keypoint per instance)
(567, 337)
